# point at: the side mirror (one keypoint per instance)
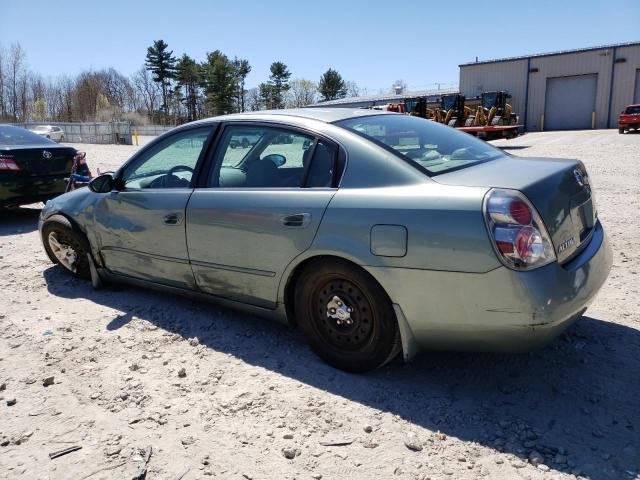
(278, 159)
(102, 184)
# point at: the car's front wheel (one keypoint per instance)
(66, 246)
(346, 316)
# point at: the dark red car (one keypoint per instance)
(629, 119)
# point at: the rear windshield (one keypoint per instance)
(634, 110)
(434, 147)
(19, 136)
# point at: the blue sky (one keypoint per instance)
(370, 42)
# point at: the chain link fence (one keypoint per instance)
(119, 133)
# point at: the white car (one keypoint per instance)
(54, 133)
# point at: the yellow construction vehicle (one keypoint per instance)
(494, 110)
(453, 111)
(488, 116)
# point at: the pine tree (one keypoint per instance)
(188, 77)
(219, 81)
(332, 86)
(278, 84)
(242, 69)
(266, 95)
(162, 64)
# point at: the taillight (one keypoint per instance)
(516, 230)
(9, 164)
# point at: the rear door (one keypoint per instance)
(259, 208)
(141, 227)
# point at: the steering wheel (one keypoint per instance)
(168, 178)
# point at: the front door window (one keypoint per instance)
(170, 164)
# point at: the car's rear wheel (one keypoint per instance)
(66, 246)
(346, 316)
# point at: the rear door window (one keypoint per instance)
(272, 157)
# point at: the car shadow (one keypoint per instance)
(512, 147)
(18, 220)
(576, 401)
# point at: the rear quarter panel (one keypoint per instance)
(444, 224)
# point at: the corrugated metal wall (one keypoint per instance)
(511, 75)
(579, 63)
(624, 81)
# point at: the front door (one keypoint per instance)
(264, 200)
(141, 226)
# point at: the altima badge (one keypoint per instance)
(563, 246)
(46, 154)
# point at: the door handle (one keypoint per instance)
(297, 220)
(172, 219)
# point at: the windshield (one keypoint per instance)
(434, 147)
(489, 99)
(19, 136)
(448, 102)
(633, 110)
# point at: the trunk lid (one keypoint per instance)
(40, 161)
(559, 189)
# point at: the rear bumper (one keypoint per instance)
(501, 310)
(31, 189)
(629, 123)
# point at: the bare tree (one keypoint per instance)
(353, 90)
(3, 105)
(148, 90)
(15, 74)
(67, 87)
(302, 92)
(254, 100)
(54, 99)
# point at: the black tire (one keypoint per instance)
(621, 130)
(370, 341)
(61, 139)
(66, 234)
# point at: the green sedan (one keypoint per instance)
(374, 233)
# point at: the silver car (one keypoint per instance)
(54, 133)
(374, 233)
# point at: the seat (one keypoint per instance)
(321, 171)
(263, 173)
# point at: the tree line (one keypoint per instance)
(165, 90)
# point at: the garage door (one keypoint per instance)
(569, 102)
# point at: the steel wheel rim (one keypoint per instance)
(337, 332)
(64, 252)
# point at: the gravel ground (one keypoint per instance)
(217, 393)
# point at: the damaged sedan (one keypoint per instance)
(372, 232)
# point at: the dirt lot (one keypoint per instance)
(252, 394)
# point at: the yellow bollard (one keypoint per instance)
(135, 135)
(593, 120)
(542, 123)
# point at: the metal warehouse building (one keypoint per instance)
(575, 89)
(378, 100)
